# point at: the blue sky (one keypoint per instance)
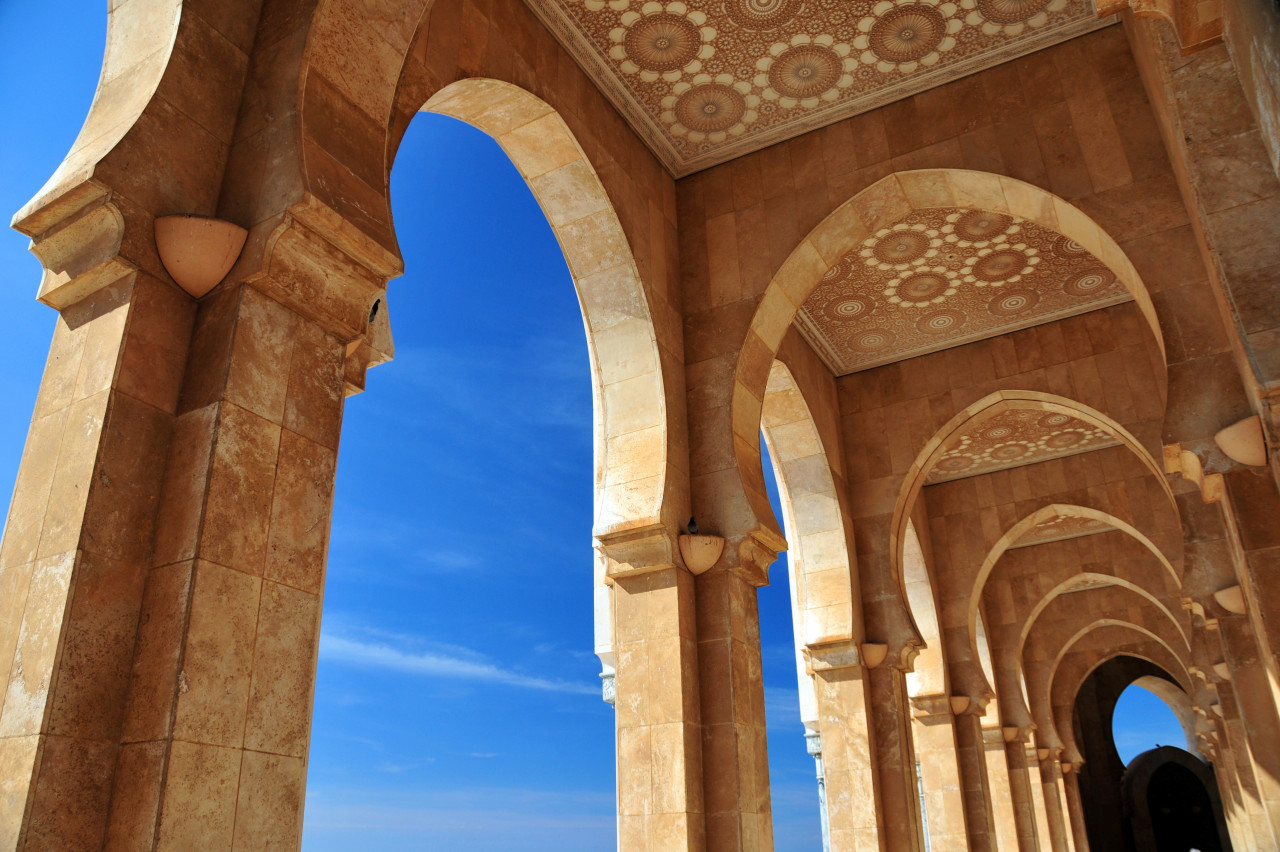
(457, 703)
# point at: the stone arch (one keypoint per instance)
(1137, 781)
(1177, 701)
(928, 675)
(631, 417)
(1051, 733)
(880, 205)
(1063, 693)
(1184, 645)
(973, 416)
(1101, 579)
(816, 524)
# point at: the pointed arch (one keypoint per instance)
(631, 412)
(881, 205)
(815, 522)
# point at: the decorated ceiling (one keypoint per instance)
(942, 277)
(1060, 528)
(1016, 437)
(704, 81)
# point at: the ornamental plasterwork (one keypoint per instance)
(703, 81)
(942, 277)
(1061, 528)
(1013, 438)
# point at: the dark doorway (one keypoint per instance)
(1171, 799)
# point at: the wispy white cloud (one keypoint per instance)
(382, 655)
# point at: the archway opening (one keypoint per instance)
(457, 699)
(799, 811)
(1143, 720)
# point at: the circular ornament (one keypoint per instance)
(907, 33)
(710, 107)
(1064, 440)
(1054, 420)
(995, 433)
(1090, 282)
(662, 42)
(921, 289)
(873, 341)
(1013, 302)
(1008, 452)
(901, 246)
(940, 322)
(978, 225)
(1067, 247)
(805, 71)
(955, 464)
(999, 265)
(850, 308)
(842, 269)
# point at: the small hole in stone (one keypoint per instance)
(373, 312)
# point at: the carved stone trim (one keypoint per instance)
(638, 551)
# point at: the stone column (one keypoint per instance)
(1051, 780)
(1075, 808)
(217, 727)
(1021, 790)
(1253, 691)
(841, 689)
(656, 696)
(1039, 808)
(934, 732)
(895, 757)
(979, 815)
(76, 549)
(813, 747)
(1006, 827)
(735, 762)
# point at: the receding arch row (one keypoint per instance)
(881, 205)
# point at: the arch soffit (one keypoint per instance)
(928, 673)
(878, 206)
(632, 453)
(822, 591)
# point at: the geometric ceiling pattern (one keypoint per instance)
(1013, 438)
(1060, 528)
(704, 81)
(942, 277)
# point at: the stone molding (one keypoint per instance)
(643, 550)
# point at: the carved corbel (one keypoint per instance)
(1187, 464)
(639, 551)
(832, 656)
(80, 253)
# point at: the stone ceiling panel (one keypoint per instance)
(1016, 437)
(943, 277)
(704, 81)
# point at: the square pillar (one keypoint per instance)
(75, 555)
(934, 734)
(841, 688)
(895, 759)
(735, 760)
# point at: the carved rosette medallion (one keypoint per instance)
(903, 35)
(710, 109)
(805, 71)
(664, 42)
